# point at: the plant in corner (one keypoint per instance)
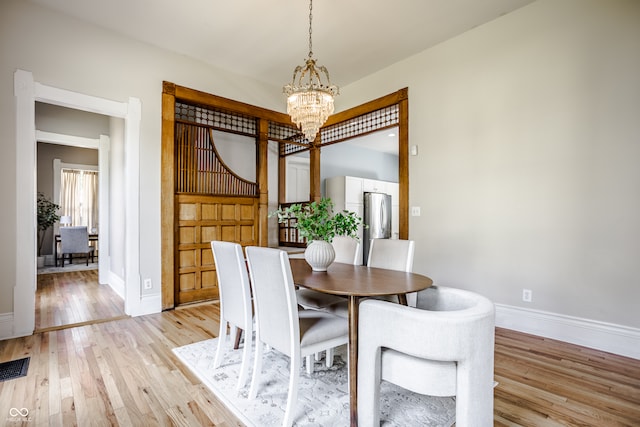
(316, 222)
(47, 216)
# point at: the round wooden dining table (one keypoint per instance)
(356, 282)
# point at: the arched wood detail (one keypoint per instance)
(201, 170)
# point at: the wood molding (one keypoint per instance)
(167, 186)
(373, 105)
(207, 99)
(400, 98)
(172, 93)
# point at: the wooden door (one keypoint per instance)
(201, 219)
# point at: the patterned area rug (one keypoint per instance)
(323, 398)
(79, 266)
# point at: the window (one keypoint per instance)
(79, 197)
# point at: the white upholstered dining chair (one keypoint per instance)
(235, 302)
(348, 250)
(279, 323)
(442, 347)
(392, 254)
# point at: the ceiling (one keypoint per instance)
(267, 39)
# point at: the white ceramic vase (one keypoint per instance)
(319, 255)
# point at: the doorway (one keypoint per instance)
(27, 93)
(84, 296)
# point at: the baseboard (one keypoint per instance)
(612, 338)
(149, 304)
(6, 326)
(117, 284)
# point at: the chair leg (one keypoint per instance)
(246, 359)
(328, 358)
(292, 397)
(236, 344)
(309, 363)
(257, 369)
(222, 336)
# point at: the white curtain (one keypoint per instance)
(79, 197)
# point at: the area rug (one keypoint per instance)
(80, 266)
(323, 398)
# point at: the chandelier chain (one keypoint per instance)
(310, 93)
(310, 18)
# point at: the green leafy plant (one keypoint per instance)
(47, 216)
(315, 220)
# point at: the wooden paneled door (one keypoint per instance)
(202, 219)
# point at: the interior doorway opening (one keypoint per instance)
(27, 93)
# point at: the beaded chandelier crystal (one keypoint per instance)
(309, 100)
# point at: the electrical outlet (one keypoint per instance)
(415, 210)
(147, 284)
(527, 295)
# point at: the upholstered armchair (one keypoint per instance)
(442, 347)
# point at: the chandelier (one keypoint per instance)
(309, 99)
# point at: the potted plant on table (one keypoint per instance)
(47, 216)
(316, 222)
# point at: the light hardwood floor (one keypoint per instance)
(74, 298)
(124, 373)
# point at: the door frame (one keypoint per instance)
(103, 145)
(27, 92)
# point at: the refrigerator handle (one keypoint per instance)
(384, 217)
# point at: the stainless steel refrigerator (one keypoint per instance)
(377, 216)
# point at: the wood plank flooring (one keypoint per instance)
(74, 298)
(124, 373)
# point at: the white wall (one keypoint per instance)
(65, 53)
(338, 160)
(528, 173)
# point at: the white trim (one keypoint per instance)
(70, 140)
(116, 283)
(612, 338)
(6, 326)
(104, 223)
(133, 295)
(149, 304)
(24, 288)
(27, 92)
(78, 101)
